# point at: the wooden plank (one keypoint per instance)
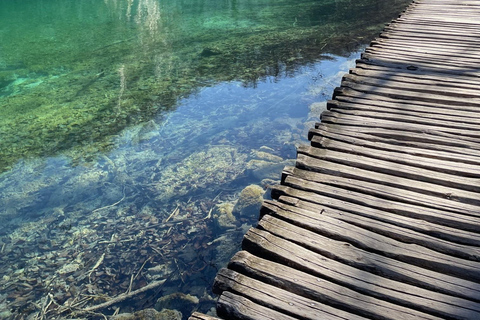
(283, 251)
(432, 163)
(415, 86)
(417, 221)
(348, 254)
(340, 105)
(412, 136)
(431, 54)
(474, 42)
(318, 289)
(200, 316)
(415, 139)
(422, 59)
(438, 123)
(394, 168)
(384, 191)
(233, 306)
(428, 79)
(431, 33)
(423, 67)
(419, 23)
(348, 171)
(418, 46)
(437, 64)
(323, 137)
(310, 215)
(277, 299)
(390, 66)
(465, 222)
(457, 57)
(360, 121)
(406, 252)
(419, 95)
(408, 26)
(358, 100)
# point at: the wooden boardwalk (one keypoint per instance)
(380, 217)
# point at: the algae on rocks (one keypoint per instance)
(249, 202)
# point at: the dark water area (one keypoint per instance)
(138, 139)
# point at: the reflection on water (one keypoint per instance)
(138, 138)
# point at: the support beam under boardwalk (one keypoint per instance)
(380, 217)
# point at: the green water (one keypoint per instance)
(75, 73)
(129, 127)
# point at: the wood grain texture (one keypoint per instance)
(380, 216)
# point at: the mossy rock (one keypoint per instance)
(150, 314)
(223, 215)
(249, 202)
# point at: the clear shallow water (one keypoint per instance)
(129, 128)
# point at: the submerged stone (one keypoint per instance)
(150, 314)
(178, 300)
(208, 52)
(249, 202)
(223, 215)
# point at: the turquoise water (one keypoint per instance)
(129, 129)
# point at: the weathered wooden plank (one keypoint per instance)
(382, 245)
(427, 79)
(393, 168)
(419, 23)
(391, 66)
(431, 33)
(437, 64)
(416, 139)
(366, 101)
(463, 87)
(310, 216)
(425, 60)
(434, 55)
(452, 40)
(441, 122)
(233, 306)
(408, 158)
(341, 106)
(414, 26)
(347, 254)
(440, 192)
(422, 66)
(413, 222)
(419, 46)
(465, 222)
(318, 289)
(430, 87)
(322, 137)
(283, 251)
(201, 316)
(360, 121)
(384, 191)
(419, 95)
(275, 298)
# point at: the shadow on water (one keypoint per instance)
(177, 117)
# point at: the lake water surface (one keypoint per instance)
(138, 137)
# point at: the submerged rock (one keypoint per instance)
(223, 215)
(150, 314)
(178, 300)
(249, 202)
(265, 165)
(213, 166)
(209, 52)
